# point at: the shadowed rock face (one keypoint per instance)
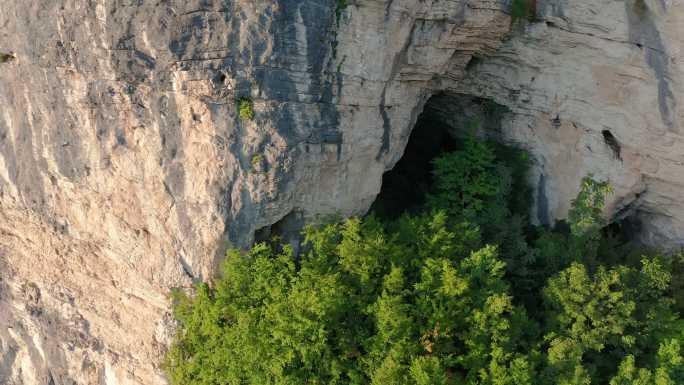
(642, 23)
(125, 169)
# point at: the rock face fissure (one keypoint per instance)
(126, 170)
(642, 18)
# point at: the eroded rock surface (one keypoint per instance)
(125, 169)
(596, 88)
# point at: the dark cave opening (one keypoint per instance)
(612, 143)
(286, 231)
(623, 230)
(445, 120)
(405, 186)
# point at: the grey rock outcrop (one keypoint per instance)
(596, 88)
(125, 169)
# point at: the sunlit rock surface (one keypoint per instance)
(126, 171)
(596, 88)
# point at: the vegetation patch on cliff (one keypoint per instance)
(523, 10)
(245, 108)
(464, 291)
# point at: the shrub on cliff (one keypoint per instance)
(246, 108)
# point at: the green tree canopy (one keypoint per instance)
(461, 294)
(361, 306)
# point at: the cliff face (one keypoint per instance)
(596, 88)
(125, 169)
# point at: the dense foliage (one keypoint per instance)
(464, 293)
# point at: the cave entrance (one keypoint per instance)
(445, 119)
(286, 231)
(405, 186)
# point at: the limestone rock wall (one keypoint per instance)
(125, 169)
(596, 88)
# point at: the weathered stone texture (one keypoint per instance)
(596, 88)
(125, 169)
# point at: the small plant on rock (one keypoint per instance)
(257, 161)
(523, 10)
(246, 108)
